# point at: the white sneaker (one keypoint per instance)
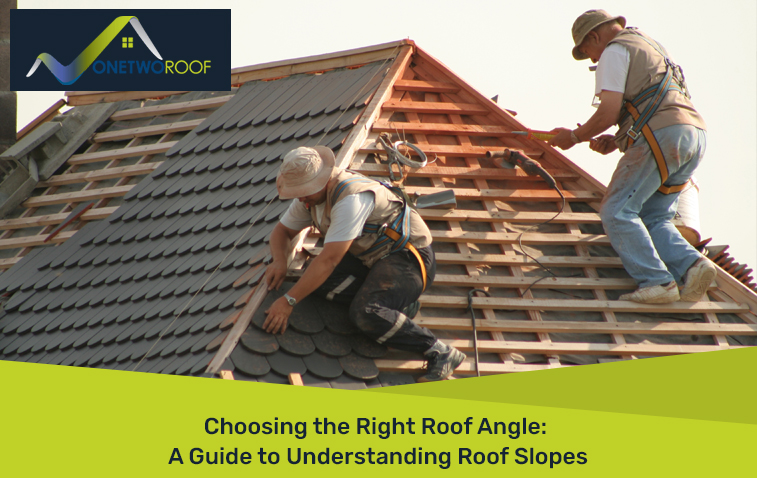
(656, 294)
(697, 280)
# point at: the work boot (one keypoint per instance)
(441, 361)
(412, 310)
(656, 294)
(697, 280)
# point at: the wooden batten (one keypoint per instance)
(584, 305)
(99, 175)
(574, 327)
(80, 98)
(170, 109)
(154, 130)
(79, 196)
(46, 116)
(149, 149)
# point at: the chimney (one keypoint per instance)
(7, 97)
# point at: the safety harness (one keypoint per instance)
(398, 231)
(673, 80)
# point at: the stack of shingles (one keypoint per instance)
(156, 285)
(320, 343)
(719, 256)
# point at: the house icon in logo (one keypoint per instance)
(68, 74)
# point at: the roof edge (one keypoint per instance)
(506, 116)
(352, 57)
(275, 69)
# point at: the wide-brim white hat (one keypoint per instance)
(305, 171)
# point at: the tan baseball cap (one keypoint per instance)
(305, 171)
(587, 22)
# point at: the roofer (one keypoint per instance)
(663, 137)
(377, 255)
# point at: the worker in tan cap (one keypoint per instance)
(376, 257)
(640, 88)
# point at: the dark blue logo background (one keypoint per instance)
(120, 50)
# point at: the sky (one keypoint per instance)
(521, 52)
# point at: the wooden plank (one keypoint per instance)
(232, 339)
(46, 116)
(52, 219)
(509, 282)
(31, 241)
(245, 316)
(575, 327)
(736, 289)
(583, 305)
(512, 238)
(448, 150)
(8, 263)
(147, 131)
(427, 86)
(511, 194)
(434, 108)
(226, 374)
(146, 150)
(100, 175)
(515, 260)
(79, 98)
(296, 379)
(508, 216)
(73, 216)
(360, 131)
(170, 109)
(466, 173)
(557, 348)
(445, 129)
(465, 368)
(78, 196)
(329, 61)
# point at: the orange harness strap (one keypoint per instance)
(662, 166)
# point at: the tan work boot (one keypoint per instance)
(656, 294)
(697, 280)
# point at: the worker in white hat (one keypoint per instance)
(641, 89)
(376, 257)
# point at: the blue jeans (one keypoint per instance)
(636, 216)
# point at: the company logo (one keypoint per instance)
(70, 73)
(122, 56)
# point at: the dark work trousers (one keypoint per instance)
(377, 296)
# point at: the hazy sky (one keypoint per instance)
(521, 51)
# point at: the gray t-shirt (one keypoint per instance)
(348, 216)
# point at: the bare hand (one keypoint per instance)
(275, 275)
(562, 138)
(604, 144)
(277, 316)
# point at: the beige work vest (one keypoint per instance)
(646, 68)
(387, 207)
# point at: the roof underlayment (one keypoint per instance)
(162, 274)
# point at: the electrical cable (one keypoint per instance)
(536, 226)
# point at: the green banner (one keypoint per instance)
(684, 415)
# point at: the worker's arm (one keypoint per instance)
(606, 115)
(315, 275)
(279, 244)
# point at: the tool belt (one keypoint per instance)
(673, 80)
(397, 232)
